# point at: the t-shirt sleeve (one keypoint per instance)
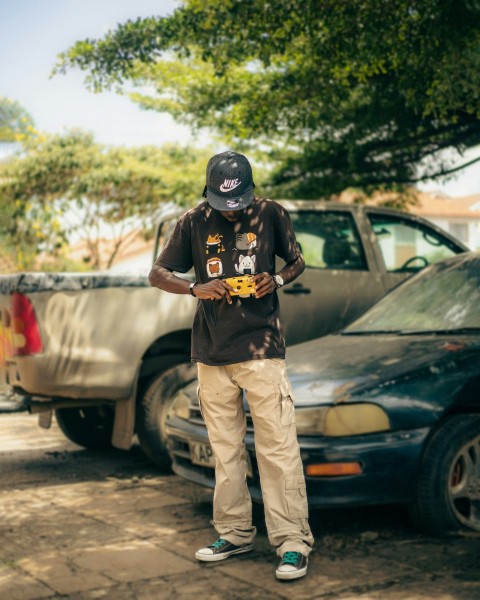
(177, 252)
(286, 246)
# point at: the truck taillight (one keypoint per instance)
(26, 334)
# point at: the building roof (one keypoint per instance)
(441, 206)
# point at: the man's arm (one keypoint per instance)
(163, 279)
(265, 282)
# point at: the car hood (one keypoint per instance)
(338, 367)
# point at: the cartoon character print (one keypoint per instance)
(214, 244)
(214, 267)
(245, 241)
(246, 265)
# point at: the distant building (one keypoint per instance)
(134, 256)
(459, 216)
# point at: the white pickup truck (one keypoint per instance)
(107, 352)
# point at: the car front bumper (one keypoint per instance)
(389, 461)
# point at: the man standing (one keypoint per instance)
(238, 345)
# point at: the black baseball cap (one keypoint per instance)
(229, 182)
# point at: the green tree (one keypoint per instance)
(16, 124)
(351, 93)
(65, 187)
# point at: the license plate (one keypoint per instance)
(202, 454)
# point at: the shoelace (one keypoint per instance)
(291, 558)
(219, 543)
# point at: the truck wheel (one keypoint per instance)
(153, 408)
(448, 491)
(90, 427)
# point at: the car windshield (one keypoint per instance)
(445, 297)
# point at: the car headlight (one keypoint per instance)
(344, 420)
(180, 406)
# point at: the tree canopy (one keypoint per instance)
(358, 93)
(16, 124)
(67, 186)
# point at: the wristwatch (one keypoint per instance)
(278, 280)
(192, 285)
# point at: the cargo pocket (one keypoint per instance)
(199, 400)
(286, 410)
(296, 495)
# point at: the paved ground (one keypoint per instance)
(78, 525)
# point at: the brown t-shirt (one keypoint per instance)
(248, 328)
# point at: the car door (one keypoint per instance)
(407, 244)
(341, 278)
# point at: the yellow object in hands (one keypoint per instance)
(242, 285)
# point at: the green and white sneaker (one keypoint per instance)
(292, 566)
(220, 550)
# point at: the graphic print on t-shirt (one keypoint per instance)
(214, 244)
(214, 267)
(252, 322)
(246, 265)
(245, 241)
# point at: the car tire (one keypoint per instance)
(449, 479)
(90, 427)
(152, 410)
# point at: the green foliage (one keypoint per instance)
(358, 93)
(66, 187)
(16, 124)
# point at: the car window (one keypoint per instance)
(329, 240)
(408, 246)
(443, 297)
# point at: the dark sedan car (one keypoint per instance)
(387, 411)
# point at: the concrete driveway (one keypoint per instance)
(80, 525)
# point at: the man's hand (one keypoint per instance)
(213, 290)
(265, 284)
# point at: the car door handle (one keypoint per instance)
(297, 288)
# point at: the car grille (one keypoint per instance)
(180, 450)
(197, 419)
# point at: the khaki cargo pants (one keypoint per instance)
(281, 472)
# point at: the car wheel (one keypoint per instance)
(153, 408)
(90, 427)
(448, 491)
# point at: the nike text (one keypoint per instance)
(229, 184)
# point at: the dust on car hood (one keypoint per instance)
(338, 368)
(332, 369)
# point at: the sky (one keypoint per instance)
(34, 32)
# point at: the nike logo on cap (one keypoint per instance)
(229, 184)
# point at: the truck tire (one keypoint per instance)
(90, 427)
(446, 500)
(153, 406)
